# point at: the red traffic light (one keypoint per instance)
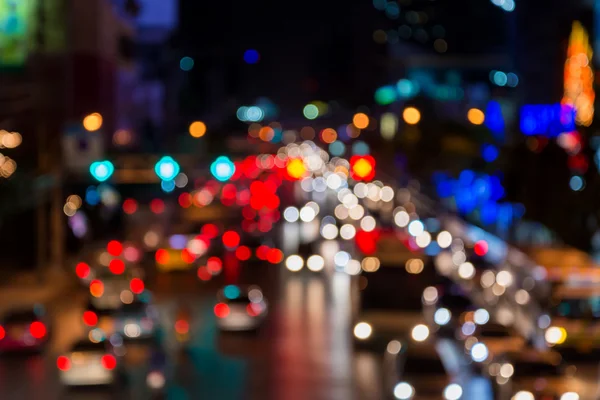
(362, 168)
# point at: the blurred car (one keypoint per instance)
(135, 321)
(87, 364)
(534, 374)
(23, 330)
(240, 308)
(387, 304)
(430, 369)
(109, 291)
(445, 306)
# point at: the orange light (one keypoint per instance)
(360, 120)
(328, 135)
(92, 122)
(96, 288)
(475, 116)
(187, 256)
(266, 133)
(411, 115)
(197, 129)
(296, 168)
(161, 256)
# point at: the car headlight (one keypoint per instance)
(479, 352)
(420, 333)
(404, 391)
(569, 396)
(442, 316)
(362, 330)
(555, 335)
(523, 395)
(453, 392)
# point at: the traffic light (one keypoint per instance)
(102, 170)
(362, 168)
(166, 168)
(222, 168)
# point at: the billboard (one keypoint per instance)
(16, 31)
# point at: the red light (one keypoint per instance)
(187, 256)
(136, 285)
(114, 248)
(185, 200)
(90, 318)
(203, 274)
(96, 288)
(82, 270)
(231, 239)
(221, 310)
(109, 361)
(229, 191)
(275, 256)
(214, 265)
(243, 253)
(161, 256)
(63, 363)
(262, 252)
(481, 248)
(253, 309)
(116, 266)
(182, 326)
(362, 167)
(130, 206)
(2, 332)
(366, 242)
(37, 329)
(157, 206)
(210, 230)
(248, 213)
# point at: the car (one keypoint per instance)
(430, 369)
(240, 308)
(445, 306)
(109, 291)
(88, 364)
(23, 330)
(135, 321)
(537, 374)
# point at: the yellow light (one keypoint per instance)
(362, 168)
(197, 129)
(475, 116)
(555, 335)
(411, 115)
(360, 120)
(296, 168)
(92, 122)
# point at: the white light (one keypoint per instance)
(416, 227)
(329, 231)
(368, 223)
(554, 335)
(341, 212)
(347, 231)
(522, 297)
(468, 328)
(307, 214)
(374, 193)
(430, 295)
(360, 190)
(442, 316)
(132, 330)
(151, 239)
(453, 392)
(197, 247)
(488, 278)
(403, 391)
(401, 218)
(420, 333)
(387, 194)
(341, 258)
(314, 206)
(481, 316)
(479, 352)
(319, 184)
(352, 267)
(459, 257)
(350, 200)
(315, 263)
(523, 395)
(466, 270)
(569, 396)
(362, 330)
(294, 263)
(291, 214)
(307, 184)
(334, 181)
(155, 380)
(544, 321)
(504, 278)
(507, 370)
(444, 239)
(357, 212)
(423, 240)
(394, 347)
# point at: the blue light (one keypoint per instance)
(466, 177)
(500, 78)
(489, 152)
(167, 186)
(512, 79)
(251, 56)
(577, 183)
(242, 113)
(385, 95)
(494, 120)
(102, 170)
(337, 148)
(392, 10)
(167, 168)
(360, 148)
(91, 196)
(379, 4)
(186, 63)
(549, 120)
(310, 111)
(407, 88)
(254, 114)
(489, 213)
(232, 292)
(222, 168)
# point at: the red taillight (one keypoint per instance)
(90, 318)
(82, 270)
(109, 362)
(136, 285)
(37, 329)
(182, 326)
(63, 363)
(221, 310)
(2, 332)
(253, 309)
